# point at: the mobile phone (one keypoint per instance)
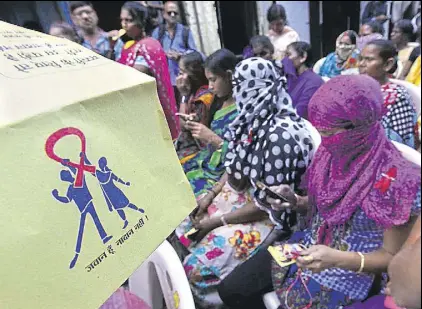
(191, 235)
(184, 117)
(270, 193)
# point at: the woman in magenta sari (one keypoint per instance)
(147, 56)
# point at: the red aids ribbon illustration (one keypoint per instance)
(385, 183)
(81, 167)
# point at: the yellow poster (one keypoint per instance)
(91, 184)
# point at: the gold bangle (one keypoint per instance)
(362, 262)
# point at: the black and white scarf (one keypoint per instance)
(268, 141)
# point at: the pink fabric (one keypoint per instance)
(123, 299)
(155, 56)
(359, 167)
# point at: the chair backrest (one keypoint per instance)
(163, 274)
(414, 91)
(318, 65)
(409, 153)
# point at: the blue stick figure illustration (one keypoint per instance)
(83, 200)
(115, 198)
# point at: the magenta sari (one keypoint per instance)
(154, 55)
(123, 299)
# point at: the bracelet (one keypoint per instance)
(362, 262)
(213, 193)
(223, 220)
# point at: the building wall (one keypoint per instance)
(297, 15)
(202, 19)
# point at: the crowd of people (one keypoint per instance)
(242, 133)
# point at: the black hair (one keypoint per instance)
(376, 26)
(352, 35)
(152, 12)
(194, 65)
(221, 61)
(276, 12)
(73, 5)
(387, 50)
(406, 27)
(33, 25)
(139, 13)
(301, 48)
(262, 40)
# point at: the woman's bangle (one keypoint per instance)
(223, 220)
(214, 195)
(362, 262)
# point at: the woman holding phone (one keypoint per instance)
(206, 167)
(268, 144)
(362, 199)
(196, 103)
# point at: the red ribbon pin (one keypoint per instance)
(387, 179)
(81, 167)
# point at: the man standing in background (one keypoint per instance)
(85, 19)
(175, 38)
(375, 11)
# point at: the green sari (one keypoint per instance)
(207, 167)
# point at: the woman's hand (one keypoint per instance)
(288, 193)
(202, 133)
(203, 205)
(319, 258)
(205, 227)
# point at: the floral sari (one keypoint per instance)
(148, 52)
(223, 249)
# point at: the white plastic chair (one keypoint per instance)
(318, 65)
(162, 276)
(414, 91)
(271, 300)
(409, 153)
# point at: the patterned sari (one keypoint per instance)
(149, 53)
(223, 249)
(207, 167)
(200, 104)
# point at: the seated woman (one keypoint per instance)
(262, 47)
(268, 142)
(401, 36)
(280, 34)
(404, 288)
(414, 75)
(360, 217)
(302, 81)
(206, 167)
(378, 60)
(147, 56)
(196, 102)
(344, 60)
(370, 31)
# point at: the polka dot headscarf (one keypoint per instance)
(268, 141)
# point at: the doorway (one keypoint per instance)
(337, 18)
(238, 23)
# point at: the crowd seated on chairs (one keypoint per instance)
(366, 153)
(280, 152)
